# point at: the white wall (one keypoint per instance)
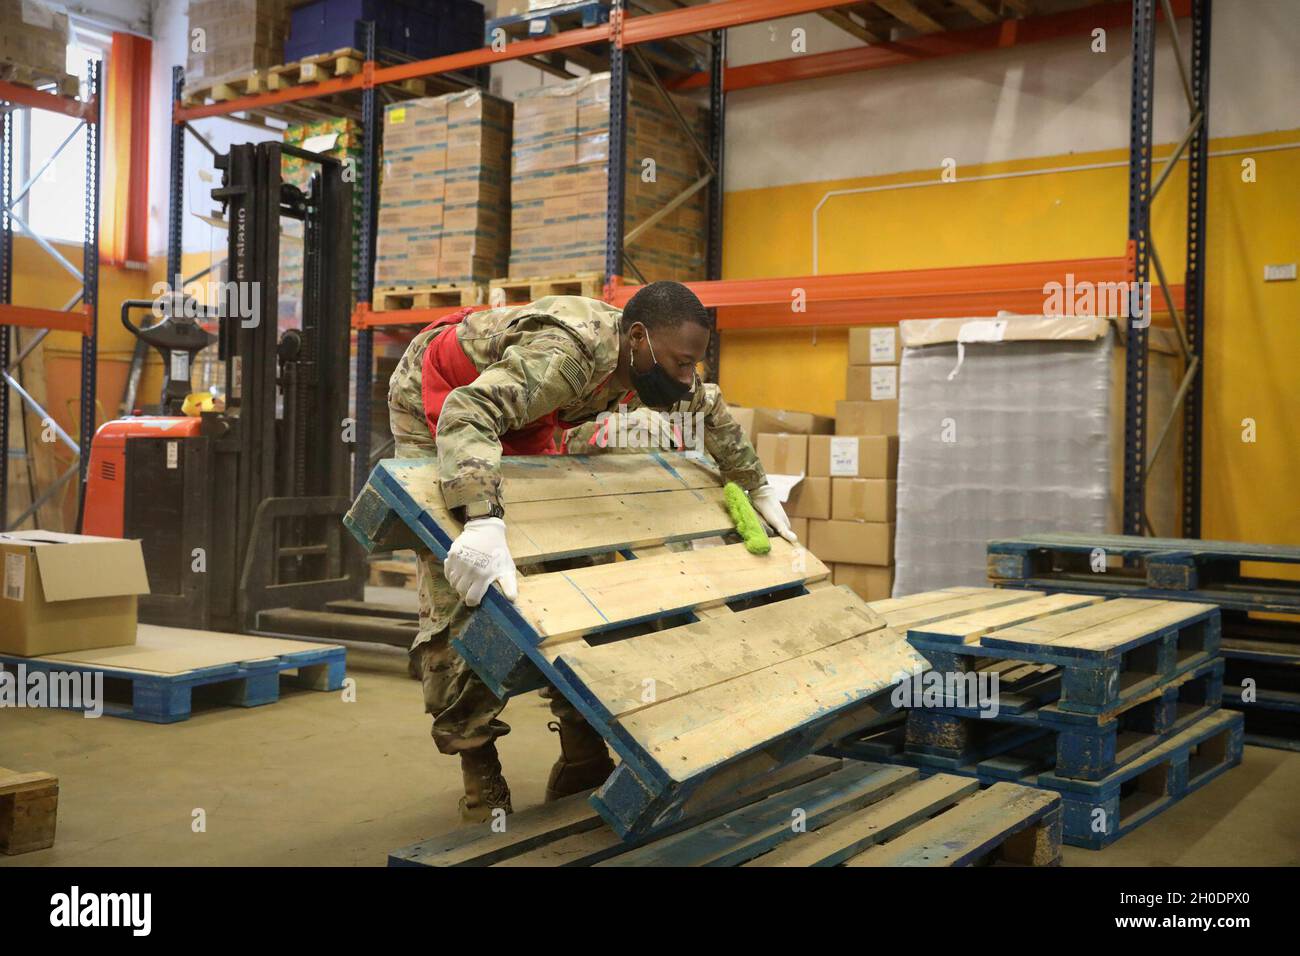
(1041, 99)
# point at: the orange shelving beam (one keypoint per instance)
(50, 102)
(77, 320)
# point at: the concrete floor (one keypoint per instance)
(313, 780)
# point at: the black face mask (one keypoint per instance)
(656, 388)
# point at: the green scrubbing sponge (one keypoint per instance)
(746, 519)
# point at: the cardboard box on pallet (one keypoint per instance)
(795, 423)
(238, 36)
(852, 542)
(875, 345)
(559, 182)
(445, 196)
(866, 418)
(863, 499)
(67, 592)
(783, 454)
(34, 36)
(811, 498)
(800, 528)
(872, 383)
(853, 456)
(869, 583)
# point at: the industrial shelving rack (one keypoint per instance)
(80, 314)
(849, 299)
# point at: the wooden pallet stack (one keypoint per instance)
(1113, 704)
(29, 808)
(1262, 654)
(705, 668)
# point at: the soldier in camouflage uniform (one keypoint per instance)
(509, 378)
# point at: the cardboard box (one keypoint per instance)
(800, 528)
(862, 499)
(867, 582)
(783, 454)
(866, 418)
(876, 345)
(811, 498)
(67, 592)
(853, 456)
(794, 423)
(745, 419)
(853, 542)
(872, 383)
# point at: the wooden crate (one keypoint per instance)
(29, 806)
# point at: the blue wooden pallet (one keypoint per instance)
(544, 22)
(1092, 681)
(1184, 761)
(504, 649)
(165, 698)
(851, 813)
(1171, 568)
(1086, 747)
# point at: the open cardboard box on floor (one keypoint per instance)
(67, 592)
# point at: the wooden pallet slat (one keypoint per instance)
(447, 295)
(518, 291)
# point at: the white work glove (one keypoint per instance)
(478, 557)
(767, 504)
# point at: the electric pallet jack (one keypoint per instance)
(239, 510)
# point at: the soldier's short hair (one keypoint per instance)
(665, 305)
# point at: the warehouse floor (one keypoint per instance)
(314, 780)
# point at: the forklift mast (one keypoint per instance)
(283, 465)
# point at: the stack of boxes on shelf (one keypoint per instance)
(338, 139)
(34, 37)
(237, 36)
(559, 183)
(445, 193)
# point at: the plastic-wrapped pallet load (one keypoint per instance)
(1015, 425)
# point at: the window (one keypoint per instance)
(55, 207)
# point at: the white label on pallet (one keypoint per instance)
(173, 455)
(884, 382)
(844, 457)
(880, 346)
(15, 576)
(237, 377)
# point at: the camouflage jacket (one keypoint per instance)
(553, 355)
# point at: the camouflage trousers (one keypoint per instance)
(466, 714)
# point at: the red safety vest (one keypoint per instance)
(446, 367)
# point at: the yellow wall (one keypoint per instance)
(1253, 333)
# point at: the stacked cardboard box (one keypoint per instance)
(238, 36)
(445, 195)
(34, 36)
(559, 184)
(339, 139)
(861, 463)
(783, 440)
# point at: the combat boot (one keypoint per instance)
(584, 762)
(485, 788)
